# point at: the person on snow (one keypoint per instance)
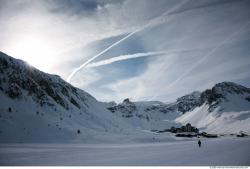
(199, 143)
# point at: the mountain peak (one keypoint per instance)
(126, 100)
(230, 87)
(19, 78)
(39, 106)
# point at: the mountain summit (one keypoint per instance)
(40, 107)
(223, 109)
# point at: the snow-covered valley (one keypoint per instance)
(40, 107)
(215, 152)
(47, 121)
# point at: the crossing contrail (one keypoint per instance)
(159, 20)
(99, 54)
(229, 38)
(124, 57)
(137, 55)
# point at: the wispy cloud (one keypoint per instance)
(156, 21)
(60, 36)
(213, 50)
(99, 54)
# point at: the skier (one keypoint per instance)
(199, 143)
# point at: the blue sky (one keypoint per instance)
(201, 43)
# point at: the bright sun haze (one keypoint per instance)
(35, 51)
(58, 37)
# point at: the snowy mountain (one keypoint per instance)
(148, 109)
(155, 115)
(40, 107)
(223, 109)
(36, 106)
(151, 115)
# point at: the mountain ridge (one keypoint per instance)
(39, 107)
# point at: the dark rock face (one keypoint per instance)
(188, 102)
(220, 91)
(230, 87)
(43, 88)
(75, 103)
(183, 104)
(210, 96)
(14, 91)
(160, 108)
(127, 108)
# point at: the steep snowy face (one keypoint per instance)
(223, 109)
(35, 106)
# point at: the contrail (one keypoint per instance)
(99, 54)
(135, 55)
(154, 22)
(124, 57)
(205, 56)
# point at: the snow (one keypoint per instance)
(43, 130)
(29, 121)
(147, 115)
(230, 116)
(214, 152)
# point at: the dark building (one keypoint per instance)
(187, 128)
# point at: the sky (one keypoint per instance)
(142, 50)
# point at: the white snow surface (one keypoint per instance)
(29, 121)
(213, 152)
(232, 115)
(46, 109)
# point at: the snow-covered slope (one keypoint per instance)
(155, 115)
(223, 109)
(151, 115)
(38, 107)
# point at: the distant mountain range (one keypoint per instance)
(223, 109)
(40, 107)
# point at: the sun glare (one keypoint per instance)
(34, 50)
